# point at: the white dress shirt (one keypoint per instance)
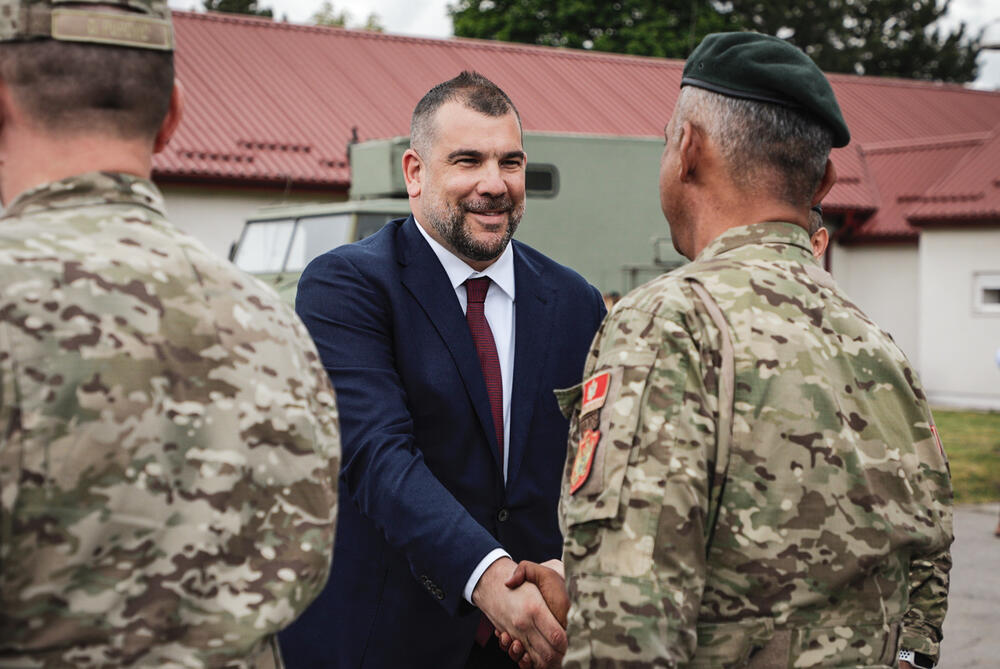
(499, 311)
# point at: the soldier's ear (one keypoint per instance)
(6, 105)
(820, 240)
(170, 122)
(690, 150)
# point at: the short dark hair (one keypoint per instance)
(74, 87)
(471, 89)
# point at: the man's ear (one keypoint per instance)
(413, 172)
(820, 240)
(690, 151)
(826, 183)
(173, 118)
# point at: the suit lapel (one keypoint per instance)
(533, 309)
(427, 281)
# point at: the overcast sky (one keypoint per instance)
(429, 18)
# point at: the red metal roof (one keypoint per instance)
(971, 192)
(272, 102)
(902, 171)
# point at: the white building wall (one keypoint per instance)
(958, 343)
(883, 281)
(215, 215)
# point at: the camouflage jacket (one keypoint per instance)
(801, 517)
(169, 444)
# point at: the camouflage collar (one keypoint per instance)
(769, 232)
(92, 188)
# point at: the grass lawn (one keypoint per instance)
(972, 441)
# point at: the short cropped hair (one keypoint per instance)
(69, 87)
(472, 89)
(815, 222)
(764, 145)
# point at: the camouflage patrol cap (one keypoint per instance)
(766, 69)
(138, 24)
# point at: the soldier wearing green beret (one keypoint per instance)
(169, 443)
(754, 476)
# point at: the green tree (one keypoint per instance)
(874, 37)
(326, 15)
(669, 28)
(237, 7)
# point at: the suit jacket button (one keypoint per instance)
(503, 515)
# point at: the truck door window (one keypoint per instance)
(316, 235)
(263, 246)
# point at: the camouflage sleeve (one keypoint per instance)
(929, 571)
(634, 516)
(928, 603)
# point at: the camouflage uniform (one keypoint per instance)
(169, 442)
(802, 517)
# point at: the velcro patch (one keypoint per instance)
(80, 25)
(595, 392)
(584, 460)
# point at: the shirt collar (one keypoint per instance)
(769, 232)
(92, 188)
(501, 272)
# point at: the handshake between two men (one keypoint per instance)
(527, 605)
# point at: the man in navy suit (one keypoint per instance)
(444, 342)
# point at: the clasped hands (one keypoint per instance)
(527, 604)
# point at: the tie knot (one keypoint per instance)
(475, 289)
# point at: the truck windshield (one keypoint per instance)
(264, 246)
(316, 235)
(288, 245)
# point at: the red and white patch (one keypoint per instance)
(595, 392)
(584, 460)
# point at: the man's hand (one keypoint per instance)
(548, 578)
(521, 613)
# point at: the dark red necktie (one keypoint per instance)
(482, 337)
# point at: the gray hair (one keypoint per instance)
(764, 145)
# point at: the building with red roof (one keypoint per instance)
(271, 108)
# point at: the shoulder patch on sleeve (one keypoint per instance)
(584, 459)
(595, 392)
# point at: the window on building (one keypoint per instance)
(986, 292)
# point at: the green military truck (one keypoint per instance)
(592, 204)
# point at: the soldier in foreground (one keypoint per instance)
(168, 437)
(755, 479)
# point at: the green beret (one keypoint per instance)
(767, 69)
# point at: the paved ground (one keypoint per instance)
(972, 628)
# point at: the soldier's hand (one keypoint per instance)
(548, 578)
(550, 582)
(522, 614)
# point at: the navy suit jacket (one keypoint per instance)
(422, 495)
